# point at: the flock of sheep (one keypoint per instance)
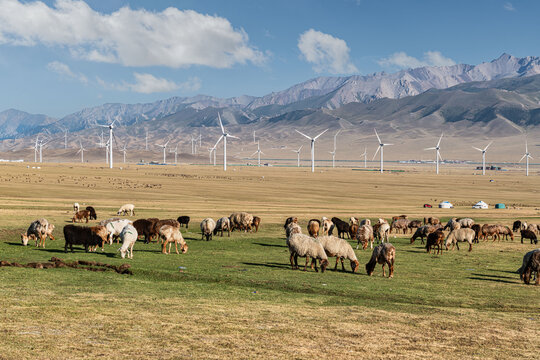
(319, 244)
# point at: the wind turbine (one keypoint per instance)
(334, 152)
(224, 136)
(381, 147)
(193, 145)
(124, 150)
(41, 145)
(298, 153)
(36, 149)
(483, 157)
(100, 143)
(258, 152)
(164, 146)
(81, 150)
(312, 147)
(365, 157)
(254, 140)
(438, 154)
(175, 152)
(111, 127)
(107, 152)
(526, 156)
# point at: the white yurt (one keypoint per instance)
(480, 205)
(446, 205)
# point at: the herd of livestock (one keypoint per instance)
(319, 244)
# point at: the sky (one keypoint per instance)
(58, 57)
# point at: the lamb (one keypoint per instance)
(460, 235)
(115, 228)
(93, 215)
(342, 227)
(527, 234)
(339, 248)
(80, 235)
(80, 215)
(326, 225)
(526, 268)
(466, 222)
(207, 228)
(223, 224)
(313, 227)
(145, 227)
(384, 253)
(452, 224)
(76, 207)
(125, 209)
(256, 223)
(129, 237)
(171, 234)
(241, 221)
(183, 220)
(364, 235)
(400, 224)
(435, 239)
(38, 230)
(305, 246)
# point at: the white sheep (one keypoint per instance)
(171, 234)
(223, 224)
(76, 207)
(293, 228)
(339, 248)
(364, 234)
(125, 209)
(207, 228)
(466, 222)
(114, 228)
(382, 231)
(305, 246)
(38, 230)
(128, 235)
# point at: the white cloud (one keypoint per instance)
(172, 38)
(404, 61)
(148, 83)
(325, 52)
(64, 70)
(508, 6)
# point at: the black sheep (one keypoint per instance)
(342, 227)
(80, 235)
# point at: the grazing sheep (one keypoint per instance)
(431, 221)
(159, 223)
(506, 231)
(80, 215)
(382, 231)
(293, 228)
(452, 225)
(460, 235)
(305, 246)
(76, 207)
(326, 225)
(38, 230)
(384, 253)
(527, 234)
(313, 227)
(256, 223)
(341, 226)
(129, 237)
(532, 267)
(223, 224)
(477, 232)
(466, 222)
(241, 221)
(103, 234)
(93, 215)
(288, 221)
(183, 220)
(423, 232)
(105, 222)
(339, 248)
(146, 227)
(207, 228)
(115, 228)
(525, 266)
(169, 235)
(435, 239)
(400, 224)
(490, 230)
(415, 224)
(353, 229)
(125, 209)
(364, 235)
(80, 235)
(533, 227)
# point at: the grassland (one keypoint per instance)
(237, 297)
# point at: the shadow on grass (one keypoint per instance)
(77, 250)
(492, 278)
(270, 245)
(14, 243)
(503, 271)
(271, 265)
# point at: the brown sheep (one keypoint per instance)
(532, 267)
(435, 239)
(490, 230)
(313, 227)
(384, 253)
(400, 224)
(422, 232)
(158, 224)
(394, 218)
(103, 234)
(415, 224)
(255, 224)
(506, 231)
(353, 229)
(527, 234)
(431, 221)
(80, 215)
(169, 235)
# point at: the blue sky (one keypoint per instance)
(57, 57)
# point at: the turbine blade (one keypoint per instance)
(253, 153)
(232, 136)
(387, 144)
(530, 157)
(523, 157)
(315, 138)
(302, 134)
(439, 155)
(378, 138)
(378, 148)
(218, 141)
(432, 148)
(477, 148)
(439, 143)
(488, 145)
(221, 124)
(300, 148)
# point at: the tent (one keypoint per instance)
(446, 205)
(500, 206)
(480, 205)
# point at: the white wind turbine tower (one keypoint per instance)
(526, 156)
(438, 154)
(380, 148)
(41, 145)
(365, 157)
(100, 143)
(483, 157)
(312, 147)
(124, 151)
(193, 139)
(81, 150)
(224, 136)
(258, 152)
(334, 152)
(213, 149)
(298, 155)
(36, 149)
(164, 146)
(107, 152)
(175, 152)
(110, 151)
